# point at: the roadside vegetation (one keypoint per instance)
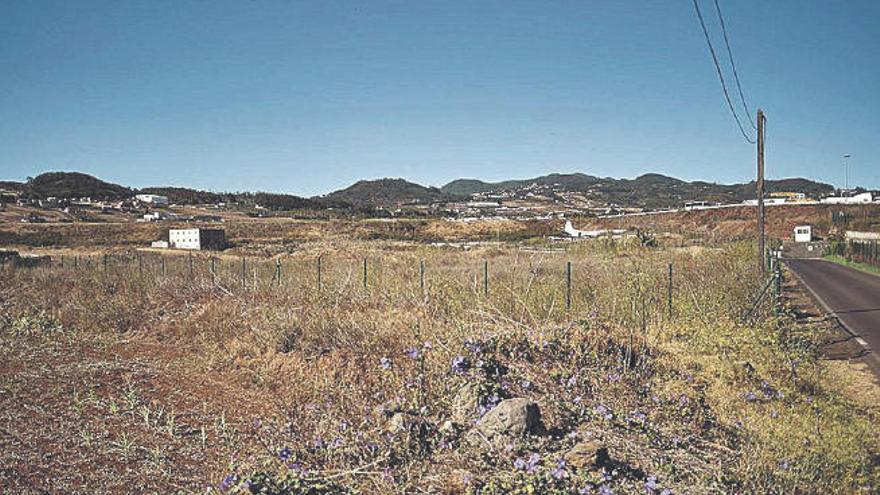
(157, 377)
(865, 267)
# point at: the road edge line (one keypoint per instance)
(837, 318)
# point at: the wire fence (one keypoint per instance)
(857, 250)
(651, 287)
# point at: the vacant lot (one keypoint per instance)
(160, 376)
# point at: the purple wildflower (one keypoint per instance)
(606, 490)
(558, 471)
(229, 481)
(413, 353)
(460, 365)
(525, 384)
(666, 491)
(473, 347)
(603, 411)
(638, 417)
(751, 397)
(520, 464)
(651, 484)
(532, 463)
(284, 454)
(385, 363)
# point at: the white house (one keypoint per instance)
(803, 233)
(196, 239)
(152, 199)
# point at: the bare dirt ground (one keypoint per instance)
(120, 415)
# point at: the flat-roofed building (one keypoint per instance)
(152, 199)
(197, 239)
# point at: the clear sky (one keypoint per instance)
(307, 97)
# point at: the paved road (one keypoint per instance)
(852, 295)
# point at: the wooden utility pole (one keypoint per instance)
(760, 186)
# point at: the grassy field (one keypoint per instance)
(151, 376)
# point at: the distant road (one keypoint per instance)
(851, 295)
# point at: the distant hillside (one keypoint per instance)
(11, 185)
(387, 192)
(73, 185)
(648, 190)
(186, 196)
(568, 182)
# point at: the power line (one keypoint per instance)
(721, 74)
(733, 64)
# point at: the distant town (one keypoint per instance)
(72, 197)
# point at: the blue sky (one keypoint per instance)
(307, 97)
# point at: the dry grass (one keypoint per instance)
(243, 370)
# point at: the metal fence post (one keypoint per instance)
(422, 276)
(62, 260)
(140, 264)
(75, 261)
(365, 273)
(163, 266)
(485, 277)
(669, 293)
(190, 265)
(319, 273)
(278, 272)
(243, 274)
(568, 285)
(213, 270)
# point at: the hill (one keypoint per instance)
(567, 182)
(384, 192)
(187, 196)
(73, 185)
(647, 191)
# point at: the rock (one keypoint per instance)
(587, 455)
(510, 418)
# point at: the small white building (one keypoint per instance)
(803, 233)
(152, 199)
(196, 239)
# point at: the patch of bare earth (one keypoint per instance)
(84, 416)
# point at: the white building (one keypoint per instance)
(196, 239)
(858, 199)
(152, 199)
(803, 233)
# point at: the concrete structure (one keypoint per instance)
(197, 239)
(858, 199)
(803, 233)
(587, 234)
(852, 235)
(152, 199)
(159, 244)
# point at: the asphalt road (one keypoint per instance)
(852, 295)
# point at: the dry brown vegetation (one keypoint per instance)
(120, 379)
